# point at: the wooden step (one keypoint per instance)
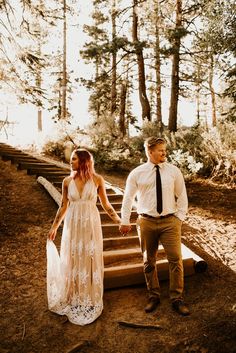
(110, 190)
(56, 173)
(128, 274)
(9, 149)
(128, 254)
(115, 205)
(54, 178)
(14, 153)
(47, 172)
(17, 159)
(36, 164)
(115, 197)
(105, 218)
(111, 230)
(132, 274)
(4, 146)
(122, 254)
(118, 256)
(120, 242)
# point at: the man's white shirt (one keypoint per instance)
(141, 182)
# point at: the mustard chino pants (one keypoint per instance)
(167, 231)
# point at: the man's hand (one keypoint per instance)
(124, 229)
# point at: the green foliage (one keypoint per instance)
(62, 144)
(181, 152)
(220, 146)
(24, 30)
(111, 151)
(207, 153)
(187, 163)
(55, 149)
(196, 151)
(230, 92)
(177, 33)
(151, 128)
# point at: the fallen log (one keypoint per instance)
(55, 194)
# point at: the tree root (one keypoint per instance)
(137, 325)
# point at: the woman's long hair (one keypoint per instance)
(86, 165)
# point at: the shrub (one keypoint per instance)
(187, 163)
(54, 149)
(196, 151)
(213, 149)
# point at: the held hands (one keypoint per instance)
(124, 229)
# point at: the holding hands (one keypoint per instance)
(124, 229)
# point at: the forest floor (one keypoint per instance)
(27, 326)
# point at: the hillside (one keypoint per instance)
(26, 213)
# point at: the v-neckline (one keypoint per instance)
(80, 193)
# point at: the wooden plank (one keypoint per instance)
(128, 275)
(35, 164)
(46, 171)
(120, 242)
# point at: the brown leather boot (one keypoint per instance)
(180, 307)
(152, 304)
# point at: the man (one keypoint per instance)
(162, 206)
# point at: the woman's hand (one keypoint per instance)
(117, 220)
(52, 233)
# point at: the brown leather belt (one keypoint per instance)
(158, 217)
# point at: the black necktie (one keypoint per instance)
(158, 190)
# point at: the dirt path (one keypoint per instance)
(26, 213)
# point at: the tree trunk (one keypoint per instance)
(40, 121)
(146, 110)
(198, 94)
(213, 95)
(158, 66)
(123, 94)
(39, 79)
(64, 69)
(114, 55)
(172, 124)
(97, 108)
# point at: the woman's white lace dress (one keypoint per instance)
(75, 277)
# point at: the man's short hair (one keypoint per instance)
(153, 141)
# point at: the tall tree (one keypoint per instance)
(96, 52)
(123, 97)
(19, 25)
(176, 40)
(158, 63)
(138, 46)
(114, 59)
(210, 54)
(212, 90)
(64, 66)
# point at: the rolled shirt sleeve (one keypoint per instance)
(181, 196)
(128, 199)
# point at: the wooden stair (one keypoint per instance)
(122, 255)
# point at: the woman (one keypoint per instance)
(75, 278)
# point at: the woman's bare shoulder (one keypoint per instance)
(67, 180)
(98, 179)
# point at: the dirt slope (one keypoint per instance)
(26, 213)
